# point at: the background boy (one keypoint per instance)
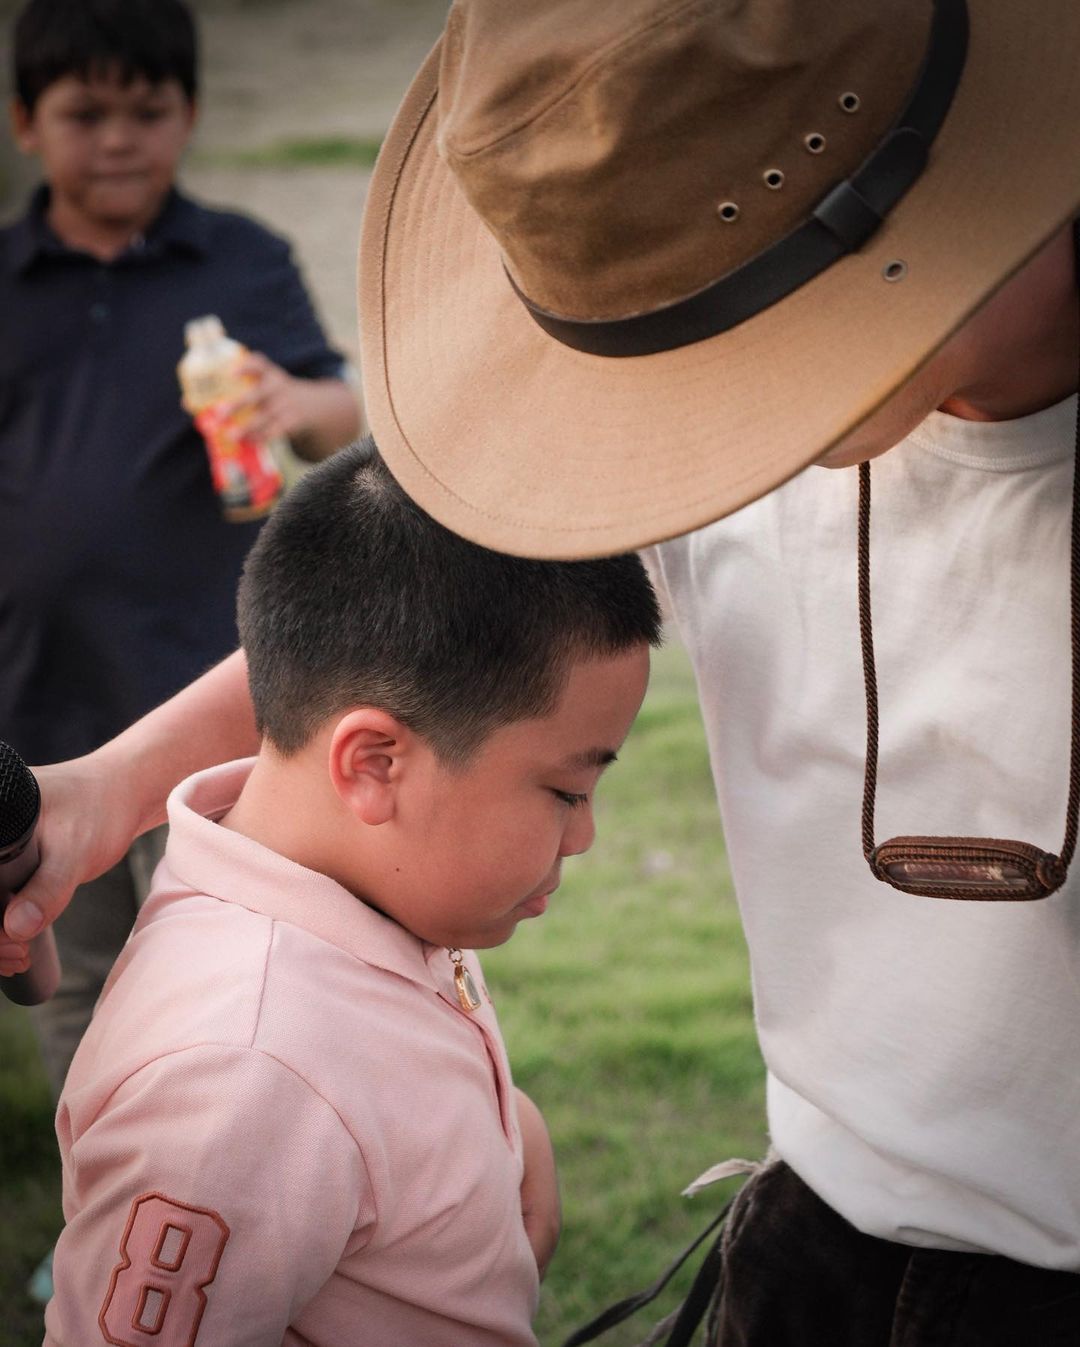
(117, 570)
(292, 1059)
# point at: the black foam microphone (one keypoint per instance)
(20, 804)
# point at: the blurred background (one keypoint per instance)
(627, 1010)
(295, 98)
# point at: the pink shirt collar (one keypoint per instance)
(236, 869)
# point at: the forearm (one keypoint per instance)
(334, 421)
(92, 807)
(209, 721)
(540, 1205)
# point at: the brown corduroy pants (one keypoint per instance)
(796, 1274)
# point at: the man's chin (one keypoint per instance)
(849, 455)
(840, 460)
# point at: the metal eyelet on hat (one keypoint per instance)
(814, 142)
(728, 211)
(773, 179)
(895, 270)
(849, 102)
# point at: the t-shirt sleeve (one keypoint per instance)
(653, 561)
(207, 1202)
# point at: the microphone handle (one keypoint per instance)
(41, 979)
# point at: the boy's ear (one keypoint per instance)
(368, 751)
(23, 130)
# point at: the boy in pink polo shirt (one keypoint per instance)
(292, 1118)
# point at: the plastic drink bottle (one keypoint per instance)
(246, 475)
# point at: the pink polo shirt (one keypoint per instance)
(281, 1127)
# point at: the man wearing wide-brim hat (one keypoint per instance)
(627, 270)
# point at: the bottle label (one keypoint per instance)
(246, 478)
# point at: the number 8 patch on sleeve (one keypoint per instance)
(168, 1256)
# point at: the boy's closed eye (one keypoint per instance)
(598, 759)
(86, 116)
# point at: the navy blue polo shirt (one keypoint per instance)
(117, 571)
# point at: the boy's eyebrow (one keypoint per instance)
(592, 757)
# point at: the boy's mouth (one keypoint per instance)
(112, 177)
(536, 905)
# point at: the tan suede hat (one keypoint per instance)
(627, 265)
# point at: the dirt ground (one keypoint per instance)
(282, 69)
(293, 69)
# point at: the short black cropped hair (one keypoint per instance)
(353, 596)
(154, 39)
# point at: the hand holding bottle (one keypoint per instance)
(274, 405)
(246, 475)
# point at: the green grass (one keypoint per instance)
(29, 1176)
(627, 1014)
(628, 1018)
(309, 152)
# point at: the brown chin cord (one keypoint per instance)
(981, 869)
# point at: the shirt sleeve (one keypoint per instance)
(292, 335)
(207, 1203)
(653, 560)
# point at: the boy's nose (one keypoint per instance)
(580, 831)
(117, 133)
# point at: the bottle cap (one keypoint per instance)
(203, 331)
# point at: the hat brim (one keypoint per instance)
(526, 446)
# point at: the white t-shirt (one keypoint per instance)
(923, 1055)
